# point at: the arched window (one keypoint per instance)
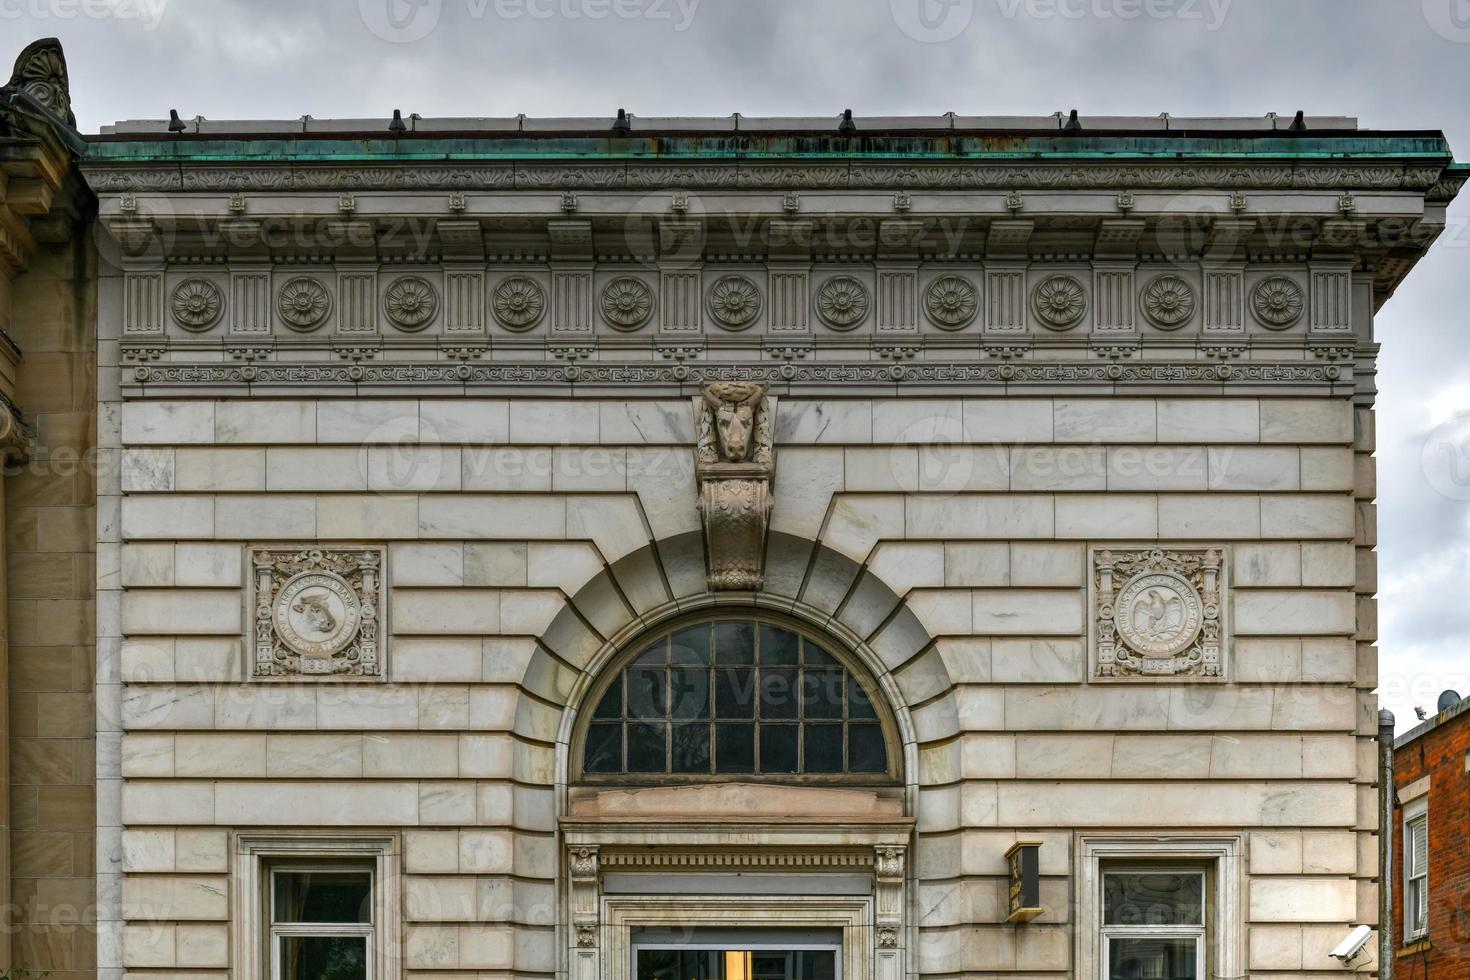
(735, 697)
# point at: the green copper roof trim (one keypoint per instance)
(978, 148)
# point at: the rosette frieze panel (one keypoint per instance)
(855, 304)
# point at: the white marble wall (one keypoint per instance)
(978, 512)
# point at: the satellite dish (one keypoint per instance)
(1448, 700)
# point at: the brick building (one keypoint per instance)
(1432, 848)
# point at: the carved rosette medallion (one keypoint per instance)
(316, 611)
(1277, 302)
(518, 302)
(627, 303)
(303, 304)
(197, 304)
(951, 302)
(734, 302)
(1157, 612)
(735, 463)
(1059, 302)
(842, 302)
(1168, 302)
(410, 303)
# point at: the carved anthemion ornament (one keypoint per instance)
(842, 302)
(1059, 302)
(317, 611)
(1157, 612)
(197, 304)
(735, 461)
(410, 303)
(40, 72)
(734, 302)
(303, 304)
(627, 303)
(1168, 301)
(951, 302)
(518, 302)
(1277, 302)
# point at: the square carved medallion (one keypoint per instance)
(1159, 611)
(317, 611)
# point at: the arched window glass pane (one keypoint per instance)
(734, 697)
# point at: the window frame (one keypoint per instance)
(1199, 933)
(1218, 856)
(828, 643)
(1414, 813)
(259, 856)
(277, 931)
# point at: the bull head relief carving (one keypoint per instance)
(735, 466)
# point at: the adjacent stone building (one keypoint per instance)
(592, 548)
(48, 403)
(1432, 847)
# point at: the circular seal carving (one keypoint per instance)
(734, 302)
(842, 302)
(303, 304)
(1158, 614)
(518, 303)
(1277, 302)
(951, 302)
(1059, 302)
(410, 303)
(197, 304)
(316, 614)
(1168, 302)
(627, 303)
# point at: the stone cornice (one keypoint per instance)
(117, 176)
(166, 379)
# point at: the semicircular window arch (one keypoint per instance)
(737, 697)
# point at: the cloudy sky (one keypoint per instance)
(1392, 63)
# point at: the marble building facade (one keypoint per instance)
(574, 533)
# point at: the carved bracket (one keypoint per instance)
(735, 463)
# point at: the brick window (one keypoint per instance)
(1416, 870)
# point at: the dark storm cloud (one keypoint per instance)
(1402, 64)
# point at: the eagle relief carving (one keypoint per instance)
(735, 464)
(1158, 612)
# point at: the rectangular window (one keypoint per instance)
(321, 922)
(316, 907)
(1416, 873)
(1154, 922)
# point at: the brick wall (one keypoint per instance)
(1439, 754)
